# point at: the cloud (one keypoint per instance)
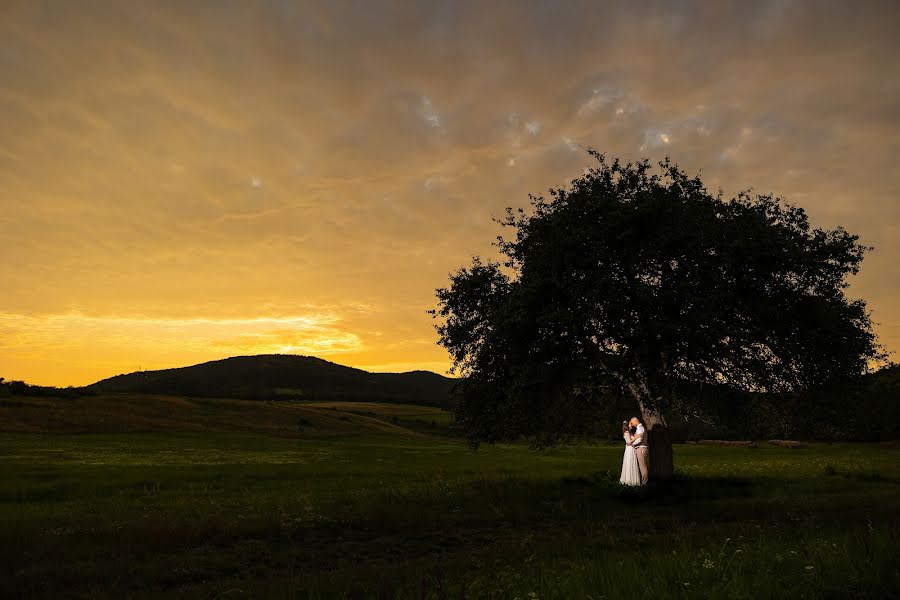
(429, 115)
(121, 342)
(162, 158)
(309, 341)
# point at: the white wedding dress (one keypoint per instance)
(631, 473)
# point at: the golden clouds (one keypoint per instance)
(182, 160)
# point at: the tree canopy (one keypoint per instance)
(638, 280)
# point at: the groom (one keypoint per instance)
(640, 447)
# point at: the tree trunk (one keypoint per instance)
(662, 463)
(659, 441)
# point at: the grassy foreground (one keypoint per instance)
(369, 511)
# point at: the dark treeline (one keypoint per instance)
(864, 410)
(20, 388)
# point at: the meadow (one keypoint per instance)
(144, 497)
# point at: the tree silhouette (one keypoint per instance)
(643, 282)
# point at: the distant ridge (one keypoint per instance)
(285, 376)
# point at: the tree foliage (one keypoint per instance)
(639, 281)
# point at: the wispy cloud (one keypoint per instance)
(124, 342)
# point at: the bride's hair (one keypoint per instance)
(624, 426)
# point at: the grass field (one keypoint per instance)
(147, 497)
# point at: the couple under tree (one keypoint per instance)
(635, 462)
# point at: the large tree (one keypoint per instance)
(638, 280)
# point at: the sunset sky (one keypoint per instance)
(186, 181)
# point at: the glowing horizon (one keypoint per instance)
(181, 183)
(143, 343)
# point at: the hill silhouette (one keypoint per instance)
(284, 376)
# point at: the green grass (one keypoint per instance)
(422, 419)
(363, 512)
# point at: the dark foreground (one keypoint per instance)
(401, 513)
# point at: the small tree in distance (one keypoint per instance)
(644, 282)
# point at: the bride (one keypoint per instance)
(631, 474)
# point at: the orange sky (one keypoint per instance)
(186, 181)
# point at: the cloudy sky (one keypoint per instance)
(185, 181)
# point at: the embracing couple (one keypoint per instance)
(635, 461)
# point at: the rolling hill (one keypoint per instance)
(283, 376)
(133, 413)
